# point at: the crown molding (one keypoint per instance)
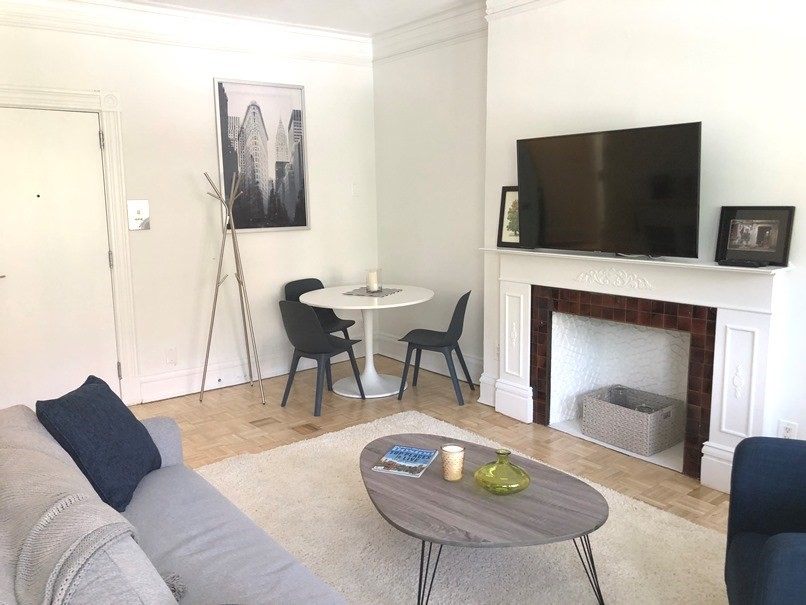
(115, 19)
(448, 27)
(497, 9)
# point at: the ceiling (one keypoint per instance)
(354, 16)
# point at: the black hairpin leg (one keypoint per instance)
(424, 586)
(586, 556)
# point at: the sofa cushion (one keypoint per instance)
(110, 446)
(742, 564)
(189, 528)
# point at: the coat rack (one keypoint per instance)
(246, 314)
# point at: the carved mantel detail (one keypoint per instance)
(618, 278)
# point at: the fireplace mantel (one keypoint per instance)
(744, 384)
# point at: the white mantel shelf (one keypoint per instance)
(697, 282)
(744, 395)
(626, 260)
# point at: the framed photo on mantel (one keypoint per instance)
(755, 236)
(509, 235)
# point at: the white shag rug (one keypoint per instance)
(309, 496)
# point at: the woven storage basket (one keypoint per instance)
(637, 421)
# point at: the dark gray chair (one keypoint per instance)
(310, 341)
(329, 320)
(445, 342)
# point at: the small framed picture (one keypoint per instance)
(509, 232)
(755, 235)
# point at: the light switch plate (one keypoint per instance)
(139, 217)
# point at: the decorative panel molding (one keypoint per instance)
(514, 351)
(736, 417)
(617, 278)
(186, 28)
(513, 394)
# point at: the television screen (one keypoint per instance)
(630, 192)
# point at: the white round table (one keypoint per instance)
(375, 385)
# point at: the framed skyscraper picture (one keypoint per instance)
(261, 136)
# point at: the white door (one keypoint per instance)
(56, 315)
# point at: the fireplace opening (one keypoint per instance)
(620, 385)
(681, 324)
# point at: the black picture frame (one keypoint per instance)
(261, 134)
(509, 219)
(755, 235)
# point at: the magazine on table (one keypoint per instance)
(405, 460)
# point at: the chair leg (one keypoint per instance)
(405, 372)
(321, 365)
(416, 367)
(464, 368)
(328, 375)
(291, 372)
(355, 372)
(447, 352)
(346, 335)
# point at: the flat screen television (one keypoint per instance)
(629, 192)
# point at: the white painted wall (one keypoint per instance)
(564, 66)
(429, 140)
(169, 138)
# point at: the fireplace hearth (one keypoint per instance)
(698, 320)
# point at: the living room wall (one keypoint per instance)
(429, 140)
(566, 66)
(164, 79)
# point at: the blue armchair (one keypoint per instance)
(766, 554)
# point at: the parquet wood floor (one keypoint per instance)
(233, 421)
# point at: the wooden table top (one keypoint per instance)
(555, 506)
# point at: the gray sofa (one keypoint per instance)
(60, 544)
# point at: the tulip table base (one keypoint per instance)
(379, 385)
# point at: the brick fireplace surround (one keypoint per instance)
(699, 321)
(730, 312)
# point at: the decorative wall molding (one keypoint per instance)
(617, 278)
(175, 27)
(505, 8)
(448, 27)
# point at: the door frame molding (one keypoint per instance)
(107, 106)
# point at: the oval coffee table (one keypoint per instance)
(555, 506)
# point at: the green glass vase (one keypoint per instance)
(501, 477)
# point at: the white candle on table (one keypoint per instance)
(372, 281)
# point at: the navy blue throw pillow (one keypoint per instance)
(111, 447)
